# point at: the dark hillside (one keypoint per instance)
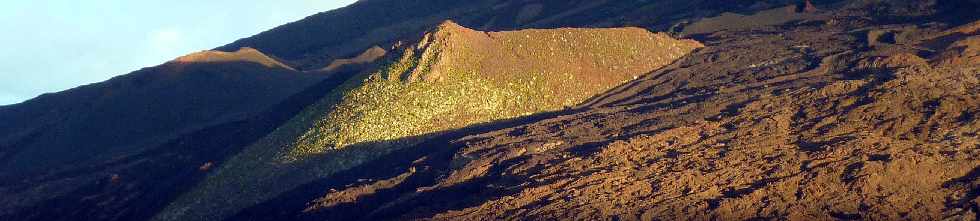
(528, 110)
(314, 42)
(134, 187)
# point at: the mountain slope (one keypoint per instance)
(64, 145)
(140, 109)
(369, 56)
(455, 77)
(825, 125)
(314, 42)
(242, 55)
(859, 110)
(137, 186)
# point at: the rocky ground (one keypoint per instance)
(818, 119)
(839, 110)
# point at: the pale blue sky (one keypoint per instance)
(54, 45)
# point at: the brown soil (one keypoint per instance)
(244, 54)
(368, 56)
(733, 21)
(453, 78)
(820, 127)
(864, 109)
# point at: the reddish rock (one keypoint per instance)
(806, 7)
(207, 166)
(115, 179)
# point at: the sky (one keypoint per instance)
(54, 45)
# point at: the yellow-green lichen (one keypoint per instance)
(384, 108)
(454, 78)
(444, 84)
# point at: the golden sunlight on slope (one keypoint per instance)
(244, 54)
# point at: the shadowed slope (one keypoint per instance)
(842, 129)
(93, 125)
(368, 56)
(840, 110)
(316, 41)
(454, 77)
(96, 124)
(135, 187)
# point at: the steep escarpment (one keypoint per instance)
(454, 78)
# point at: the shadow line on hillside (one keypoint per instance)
(139, 185)
(434, 151)
(431, 156)
(969, 183)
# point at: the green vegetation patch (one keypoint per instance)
(385, 108)
(454, 78)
